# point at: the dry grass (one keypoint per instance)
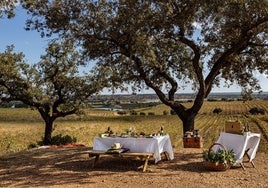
(71, 167)
(20, 127)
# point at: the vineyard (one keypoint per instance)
(210, 125)
(21, 127)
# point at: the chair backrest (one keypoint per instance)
(240, 144)
(234, 142)
(252, 146)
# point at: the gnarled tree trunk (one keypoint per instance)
(48, 132)
(188, 121)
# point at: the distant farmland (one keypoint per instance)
(20, 127)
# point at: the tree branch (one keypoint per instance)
(236, 48)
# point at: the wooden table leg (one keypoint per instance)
(97, 157)
(96, 160)
(146, 163)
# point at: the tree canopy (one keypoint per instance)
(164, 45)
(54, 86)
(7, 8)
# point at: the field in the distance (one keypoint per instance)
(21, 127)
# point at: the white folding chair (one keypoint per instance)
(251, 149)
(241, 145)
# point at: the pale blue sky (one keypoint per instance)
(28, 42)
(32, 45)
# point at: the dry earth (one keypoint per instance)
(71, 167)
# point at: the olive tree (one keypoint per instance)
(164, 45)
(54, 86)
(7, 8)
(246, 94)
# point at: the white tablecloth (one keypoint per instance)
(156, 145)
(240, 144)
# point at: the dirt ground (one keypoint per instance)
(71, 167)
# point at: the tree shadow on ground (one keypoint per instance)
(192, 162)
(43, 167)
(72, 166)
(52, 167)
(105, 163)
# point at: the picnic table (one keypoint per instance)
(145, 148)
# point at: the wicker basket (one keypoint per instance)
(216, 166)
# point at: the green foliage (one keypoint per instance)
(142, 113)
(211, 100)
(141, 42)
(247, 94)
(122, 112)
(217, 110)
(256, 111)
(7, 8)
(54, 86)
(133, 112)
(220, 156)
(165, 112)
(32, 145)
(61, 140)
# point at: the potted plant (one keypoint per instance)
(219, 160)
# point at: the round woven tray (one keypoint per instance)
(216, 166)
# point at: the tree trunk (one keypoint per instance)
(48, 132)
(188, 121)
